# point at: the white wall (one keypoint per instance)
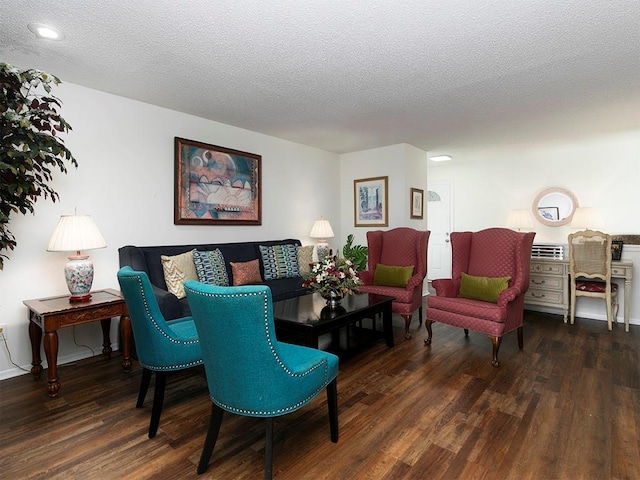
(125, 181)
(602, 172)
(406, 167)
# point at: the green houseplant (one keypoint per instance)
(356, 253)
(31, 148)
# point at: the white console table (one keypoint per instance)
(549, 284)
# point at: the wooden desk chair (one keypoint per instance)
(590, 271)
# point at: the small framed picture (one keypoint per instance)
(370, 202)
(417, 203)
(616, 249)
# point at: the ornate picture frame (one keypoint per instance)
(417, 203)
(370, 202)
(216, 185)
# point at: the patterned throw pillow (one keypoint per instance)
(210, 267)
(245, 272)
(177, 269)
(305, 258)
(280, 261)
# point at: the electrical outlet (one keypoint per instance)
(3, 331)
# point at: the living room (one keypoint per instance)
(125, 181)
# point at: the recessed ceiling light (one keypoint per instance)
(45, 31)
(440, 158)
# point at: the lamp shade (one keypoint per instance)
(75, 233)
(518, 219)
(321, 229)
(586, 218)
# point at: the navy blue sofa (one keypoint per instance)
(147, 259)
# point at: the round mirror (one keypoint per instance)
(554, 206)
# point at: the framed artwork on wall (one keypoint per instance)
(216, 185)
(370, 202)
(616, 249)
(417, 203)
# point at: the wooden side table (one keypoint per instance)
(49, 314)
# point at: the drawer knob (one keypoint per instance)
(538, 282)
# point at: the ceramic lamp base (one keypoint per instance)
(323, 250)
(78, 273)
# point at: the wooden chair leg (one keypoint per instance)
(332, 402)
(427, 324)
(520, 339)
(158, 400)
(496, 341)
(212, 436)
(268, 450)
(407, 322)
(144, 386)
(420, 315)
(466, 332)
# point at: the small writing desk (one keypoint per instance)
(549, 284)
(49, 314)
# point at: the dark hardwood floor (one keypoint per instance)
(566, 407)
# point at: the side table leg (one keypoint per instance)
(51, 352)
(125, 332)
(35, 335)
(106, 337)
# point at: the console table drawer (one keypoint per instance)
(554, 269)
(551, 297)
(547, 281)
(620, 272)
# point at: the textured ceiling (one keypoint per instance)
(347, 75)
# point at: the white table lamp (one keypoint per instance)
(322, 230)
(74, 233)
(519, 219)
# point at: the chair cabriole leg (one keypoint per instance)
(427, 324)
(407, 322)
(496, 341)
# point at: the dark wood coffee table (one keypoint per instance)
(301, 320)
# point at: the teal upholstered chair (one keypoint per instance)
(248, 371)
(162, 346)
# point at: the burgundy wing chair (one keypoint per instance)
(398, 247)
(494, 252)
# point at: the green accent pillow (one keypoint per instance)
(392, 276)
(487, 289)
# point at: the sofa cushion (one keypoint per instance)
(246, 272)
(280, 261)
(177, 269)
(392, 276)
(211, 268)
(305, 258)
(486, 289)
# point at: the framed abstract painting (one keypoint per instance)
(370, 202)
(216, 185)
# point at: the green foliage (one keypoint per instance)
(356, 253)
(31, 148)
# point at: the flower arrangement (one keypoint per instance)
(333, 275)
